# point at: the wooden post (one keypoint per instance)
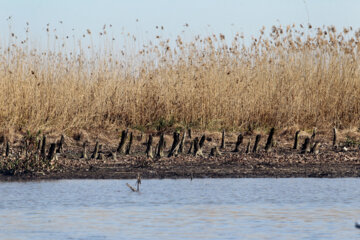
(257, 140)
(269, 141)
(43, 146)
(138, 182)
(248, 146)
(315, 148)
(61, 144)
(305, 148)
(7, 149)
(222, 146)
(296, 139)
(191, 147)
(182, 143)
(96, 151)
(202, 141)
(83, 154)
(175, 146)
(197, 148)
(149, 151)
(51, 154)
(160, 150)
(189, 133)
(215, 152)
(121, 147)
(128, 148)
(238, 143)
(334, 137)
(313, 136)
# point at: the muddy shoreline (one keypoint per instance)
(283, 161)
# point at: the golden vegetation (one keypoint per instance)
(287, 76)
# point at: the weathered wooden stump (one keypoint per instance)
(315, 148)
(257, 140)
(202, 141)
(84, 154)
(43, 148)
(191, 147)
(121, 147)
(222, 146)
(161, 146)
(149, 150)
(238, 143)
(305, 148)
(61, 144)
(269, 142)
(96, 151)
(182, 143)
(334, 137)
(189, 133)
(248, 146)
(128, 147)
(175, 146)
(197, 148)
(215, 152)
(7, 149)
(296, 140)
(51, 153)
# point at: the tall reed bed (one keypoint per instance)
(287, 76)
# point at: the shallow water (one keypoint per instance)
(181, 209)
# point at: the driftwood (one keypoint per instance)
(138, 182)
(96, 151)
(128, 147)
(270, 141)
(334, 137)
(149, 150)
(197, 148)
(182, 143)
(121, 147)
(238, 143)
(257, 140)
(222, 146)
(305, 148)
(61, 144)
(296, 139)
(175, 146)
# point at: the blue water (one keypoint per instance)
(181, 209)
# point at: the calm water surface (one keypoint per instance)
(181, 209)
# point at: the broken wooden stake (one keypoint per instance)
(248, 146)
(238, 143)
(334, 137)
(257, 140)
(121, 147)
(51, 154)
(149, 151)
(189, 133)
(7, 149)
(61, 144)
(182, 143)
(128, 148)
(315, 148)
(305, 148)
(197, 148)
(161, 145)
(313, 136)
(215, 152)
(269, 142)
(222, 146)
(96, 151)
(83, 154)
(43, 146)
(175, 146)
(296, 139)
(191, 147)
(202, 141)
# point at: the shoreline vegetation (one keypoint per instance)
(289, 78)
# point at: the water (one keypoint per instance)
(181, 209)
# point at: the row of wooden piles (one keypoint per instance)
(310, 145)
